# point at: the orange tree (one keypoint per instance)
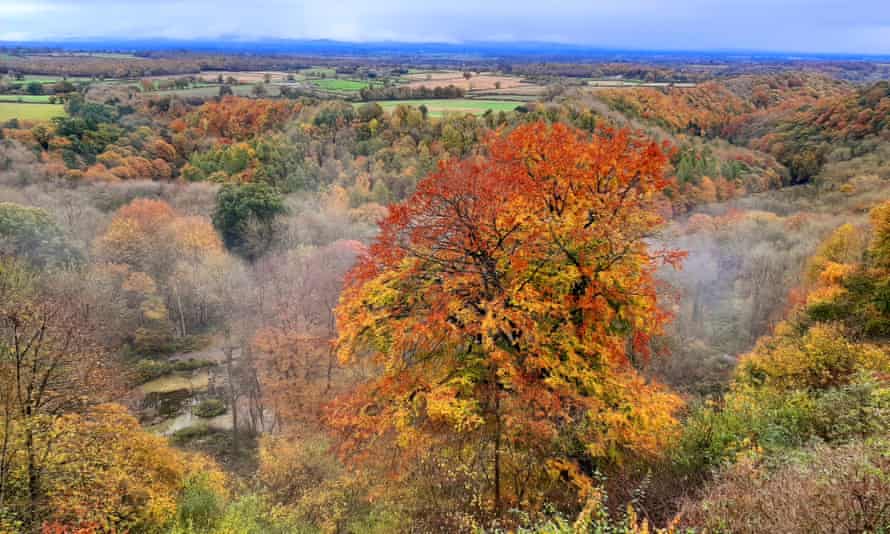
(505, 305)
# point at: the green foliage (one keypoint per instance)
(34, 88)
(209, 408)
(245, 216)
(190, 433)
(199, 505)
(33, 235)
(149, 369)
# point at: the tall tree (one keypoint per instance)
(505, 305)
(51, 365)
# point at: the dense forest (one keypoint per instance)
(654, 307)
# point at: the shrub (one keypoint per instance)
(844, 489)
(199, 505)
(147, 370)
(210, 408)
(190, 433)
(820, 359)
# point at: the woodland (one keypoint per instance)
(655, 307)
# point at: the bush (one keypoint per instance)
(769, 422)
(210, 408)
(844, 489)
(147, 370)
(190, 433)
(199, 506)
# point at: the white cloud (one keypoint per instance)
(790, 25)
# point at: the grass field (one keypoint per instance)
(334, 84)
(30, 112)
(31, 99)
(42, 78)
(438, 107)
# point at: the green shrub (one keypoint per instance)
(199, 507)
(209, 408)
(190, 433)
(147, 370)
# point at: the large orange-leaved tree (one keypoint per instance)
(505, 305)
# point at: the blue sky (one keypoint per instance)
(851, 26)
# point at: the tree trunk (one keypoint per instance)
(497, 453)
(181, 313)
(233, 401)
(33, 482)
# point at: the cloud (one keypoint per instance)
(857, 26)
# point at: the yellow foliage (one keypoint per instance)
(105, 470)
(821, 358)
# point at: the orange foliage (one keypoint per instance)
(241, 118)
(507, 301)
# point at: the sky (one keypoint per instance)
(817, 26)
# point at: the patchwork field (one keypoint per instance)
(30, 112)
(485, 81)
(439, 107)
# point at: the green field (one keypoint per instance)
(30, 99)
(334, 84)
(43, 78)
(30, 112)
(438, 107)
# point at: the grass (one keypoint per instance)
(30, 112)
(335, 84)
(439, 107)
(30, 99)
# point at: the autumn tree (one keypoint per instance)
(52, 365)
(505, 305)
(297, 361)
(163, 263)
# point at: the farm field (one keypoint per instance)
(30, 112)
(438, 107)
(485, 81)
(335, 84)
(30, 99)
(43, 78)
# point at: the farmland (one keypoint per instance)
(438, 107)
(30, 112)
(337, 84)
(476, 83)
